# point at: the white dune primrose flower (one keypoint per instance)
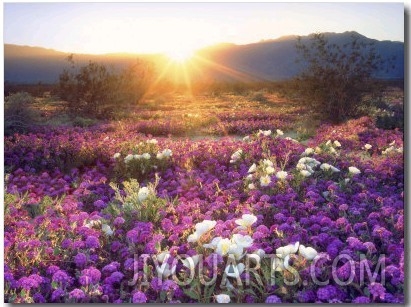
(160, 156)
(252, 168)
(267, 162)
(193, 238)
(137, 157)
(279, 132)
(152, 141)
(281, 175)
(204, 226)
(128, 158)
(222, 298)
(334, 169)
(237, 251)
(291, 139)
(246, 220)
(367, 146)
(284, 251)
(223, 247)
(267, 132)
(353, 170)
(265, 180)
(308, 151)
(167, 153)
(305, 173)
(308, 253)
(259, 252)
(143, 194)
(146, 156)
(116, 155)
(251, 186)
(325, 166)
(337, 144)
(269, 170)
(107, 230)
(242, 241)
(300, 166)
(213, 244)
(236, 156)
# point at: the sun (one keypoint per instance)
(180, 55)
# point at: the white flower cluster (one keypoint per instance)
(165, 154)
(269, 132)
(236, 156)
(329, 146)
(152, 141)
(104, 227)
(306, 166)
(264, 170)
(329, 167)
(392, 149)
(264, 132)
(143, 194)
(131, 157)
(237, 247)
(284, 252)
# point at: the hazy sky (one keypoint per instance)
(164, 27)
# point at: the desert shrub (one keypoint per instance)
(336, 77)
(258, 96)
(18, 113)
(83, 122)
(95, 90)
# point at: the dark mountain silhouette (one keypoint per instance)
(265, 60)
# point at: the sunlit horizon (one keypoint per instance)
(181, 28)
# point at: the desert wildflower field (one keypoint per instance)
(204, 199)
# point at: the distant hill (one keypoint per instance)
(265, 60)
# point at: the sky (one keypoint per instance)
(182, 27)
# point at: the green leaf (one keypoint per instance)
(163, 296)
(56, 251)
(54, 285)
(367, 292)
(192, 294)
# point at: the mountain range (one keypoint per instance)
(269, 60)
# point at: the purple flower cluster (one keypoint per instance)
(67, 238)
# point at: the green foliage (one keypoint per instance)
(258, 96)
(41, 207)
(336, 77)
(137, 203)
(95, 90)
(83, 122)
(18, 113)
(389, 116)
